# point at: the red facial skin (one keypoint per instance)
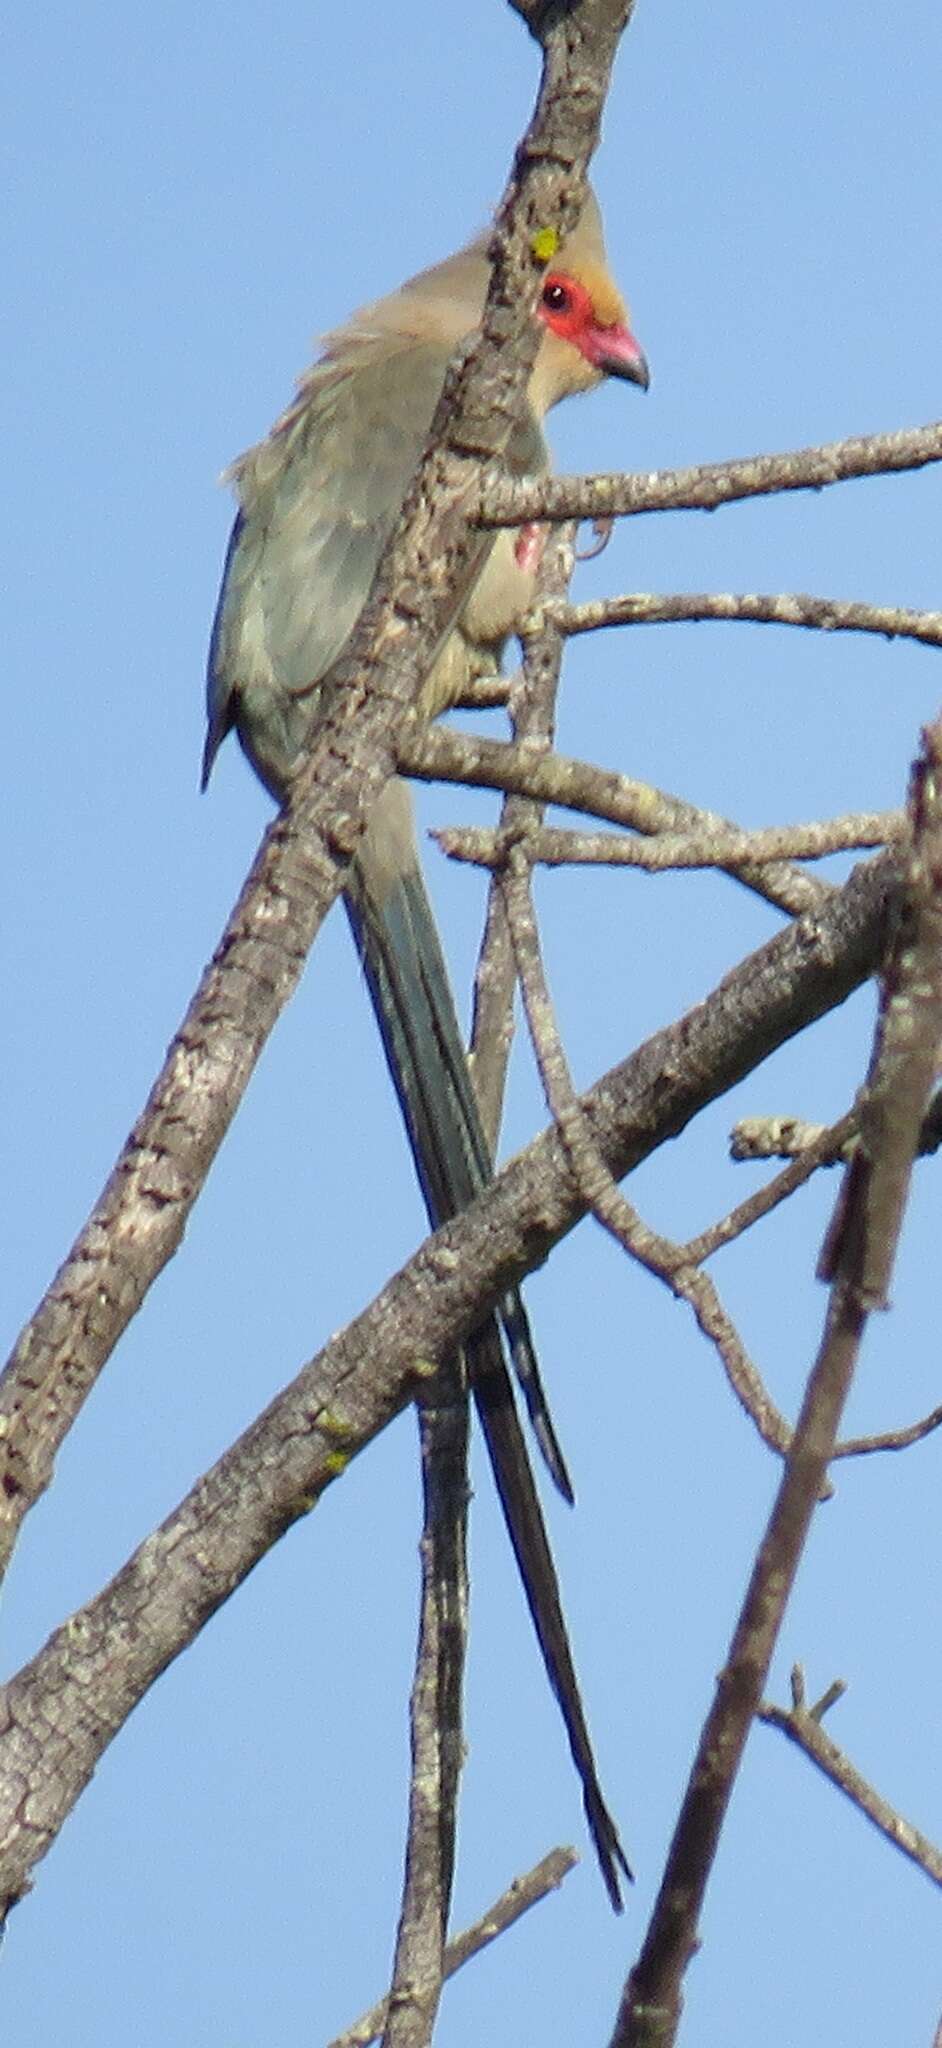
(567, 308)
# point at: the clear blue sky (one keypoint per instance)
(190, 196)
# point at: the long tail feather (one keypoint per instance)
(408, 981)
(527, 1530)
(411, 994)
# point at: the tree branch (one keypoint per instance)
(577, 58)
(520, 1896)
(575, 785)
(436, 1720)
(802, 1725)
(858, 1257)
(597, 1185)
(59, 1713)
(551, 846)
(784, 608)
(533, 716)
(423, 577)
(507, 502)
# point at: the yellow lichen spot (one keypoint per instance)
(331, 1424)
(425, 1368)
(335, 1463)
(545, 244)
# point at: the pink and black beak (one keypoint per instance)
(575, 309)
(615, 352)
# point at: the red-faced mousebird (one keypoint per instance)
(317, 501)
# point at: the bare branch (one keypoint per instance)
(651, 2005)
(699, 1290)
(525, 1892)
(550, 846)
(891, 1439)
(828, 1146)
(791, 1137)
(435, 1714)
(533, 714)
(802, 1725)
(430, 562)
(486, 693)
(505, 502)
(566, 122)
(575, 785)
(597, 1185)
(861, 1243)
(783, 608)
(108, 1655)
(858, 1256)
(787, 1137)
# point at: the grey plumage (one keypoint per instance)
(317, 501)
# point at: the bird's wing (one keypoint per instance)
(317, 501)
(318, 498)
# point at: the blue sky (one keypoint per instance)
(190, 199)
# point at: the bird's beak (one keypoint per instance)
(616, 353)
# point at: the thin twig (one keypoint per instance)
(802, 1724)
(525, 1892)
(699, 1290)
(829, 1144)
(533, 721)
(891, 1439)
(787, 1137)
(660, 1255)
(485, 693)
(791, 1137)
(782, 608)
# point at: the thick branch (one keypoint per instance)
(424, 574)
(59, 1713)
(578, 51)
(861, 1243)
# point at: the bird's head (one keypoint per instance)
(587, 330)
(586, 333)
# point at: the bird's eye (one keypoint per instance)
(556, 299)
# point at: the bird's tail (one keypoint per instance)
(411, 993)
(408, 982)
(523, 1515)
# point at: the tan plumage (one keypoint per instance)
(317, 500)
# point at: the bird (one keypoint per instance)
(316, 502)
